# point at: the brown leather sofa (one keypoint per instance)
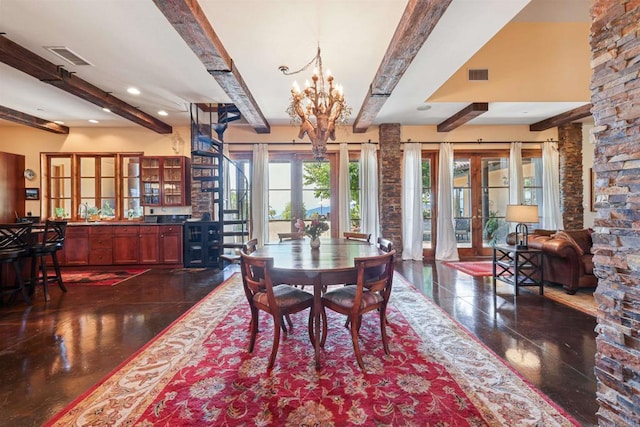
(567, 258)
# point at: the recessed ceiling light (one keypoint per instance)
(133, 91)
(58, 122)
(106, 110)
(424, 107)
(163, 113)
(93, 121)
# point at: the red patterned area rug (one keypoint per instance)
(198, 373)
(473, 268)
(100, 278)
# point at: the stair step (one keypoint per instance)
(235, 233)
(235, 221)
(210, 190)
(205, 178)
(233, 245)
(204, 153)
(231, 211)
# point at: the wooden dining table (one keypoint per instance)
(296, 263)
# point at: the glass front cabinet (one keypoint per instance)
(165, 181)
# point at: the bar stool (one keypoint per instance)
(52, 241)
(14, 247)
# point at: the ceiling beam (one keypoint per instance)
(418, 21)
(562, 119)
(32, 121)
(28, 62)
(469, 112)
(192, 25)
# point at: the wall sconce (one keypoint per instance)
(522, 214)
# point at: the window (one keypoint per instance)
(354, 203)
(427, 204)
(105, 185)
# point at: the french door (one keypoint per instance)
(480, 197)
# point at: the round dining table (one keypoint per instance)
(296, 263)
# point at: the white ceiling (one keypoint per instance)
(130, 43)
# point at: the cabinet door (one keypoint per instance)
(171, 244)
(126, 244)
(76, 246)
(149, 244)
(150, 175)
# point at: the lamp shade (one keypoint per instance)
(522, 213)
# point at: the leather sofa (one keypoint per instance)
(567, 258)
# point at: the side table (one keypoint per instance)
(517, 266)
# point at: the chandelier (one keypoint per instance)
(317, 107)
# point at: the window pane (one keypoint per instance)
(462, 201)
(495, 197)
(280, 215)
(354, 203)
(426, 203)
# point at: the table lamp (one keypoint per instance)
(522, 214)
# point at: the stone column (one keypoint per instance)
(390, 184)
(571, 187)
(615, 95)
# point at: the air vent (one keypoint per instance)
(68, 55)
(479, 74)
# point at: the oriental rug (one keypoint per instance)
(198, 373)
(100, 278)
(473, 268)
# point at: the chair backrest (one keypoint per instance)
(256, 276)
(383, 279)
(250, 246)
(291, 236)
(385, 245)
(356, 236)
(54, 232)
(15, 237)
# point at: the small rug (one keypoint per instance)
(582, 300)
(473, 268)
(198, 373)
(100, 278)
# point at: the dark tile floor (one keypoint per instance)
(52, 352)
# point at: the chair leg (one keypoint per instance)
(383, 330)
(323, 315)
(56, 267)
(253, 328)
(276, 340)
(356, 345)
(17, 266)
(45, 278)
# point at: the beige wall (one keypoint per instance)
(31, 142)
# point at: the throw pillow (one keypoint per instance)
(564, 236)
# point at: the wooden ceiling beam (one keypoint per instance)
(469, 112)
(562, 119)
(28, 62)
(192, 25)
(32, 121)
(418, 21)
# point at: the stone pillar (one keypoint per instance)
(615, 95)
(571, 186)
(390, 184)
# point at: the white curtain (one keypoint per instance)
(551, 215)
(446, 247)
(260, 194)
(344, 190)
(412, 202)
(516, 181)
(369, 216)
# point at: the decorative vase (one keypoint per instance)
(315, 243)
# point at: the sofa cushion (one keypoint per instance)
(563, 235)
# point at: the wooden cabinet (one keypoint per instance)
(170, 243)
(76, 246)
(122, 244)
(166, 181)
(150, 244)
(100, 245)
(126, 244)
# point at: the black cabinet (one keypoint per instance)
(202, 244)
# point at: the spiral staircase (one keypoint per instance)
(223, 179)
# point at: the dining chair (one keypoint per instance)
(291, 236)
(277, 300)
(368, 294)
(14, 247)
(51, 242)
(356, 236)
